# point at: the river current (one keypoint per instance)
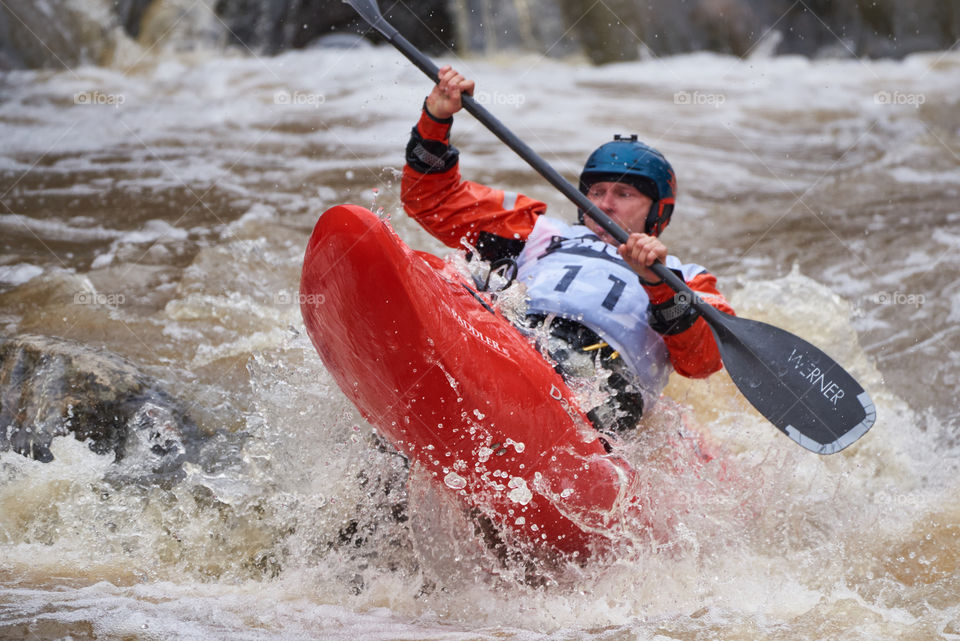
(160, 207)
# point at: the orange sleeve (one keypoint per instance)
(693, 351)
(451, 208)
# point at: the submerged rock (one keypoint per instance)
(52, 387)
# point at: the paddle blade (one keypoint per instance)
(797, 387)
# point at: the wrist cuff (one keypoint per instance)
(673, 316)
(658, 293)
(433, 128)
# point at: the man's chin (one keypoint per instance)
(602, 234)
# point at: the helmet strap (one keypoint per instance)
(659, 217)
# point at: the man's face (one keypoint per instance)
(623, 203)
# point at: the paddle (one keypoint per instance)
(795, 385)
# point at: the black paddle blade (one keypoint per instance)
(797, 387)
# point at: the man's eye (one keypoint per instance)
(598, 195)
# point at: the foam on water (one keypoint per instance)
(296, 524)
(19, 274)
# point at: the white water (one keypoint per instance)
(187, 191)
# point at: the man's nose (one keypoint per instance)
(607, 202)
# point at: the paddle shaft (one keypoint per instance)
(541, 166)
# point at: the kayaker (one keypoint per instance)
(597, 306)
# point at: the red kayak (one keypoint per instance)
(457, 389)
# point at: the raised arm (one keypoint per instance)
(433, 193)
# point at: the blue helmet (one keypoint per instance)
(626, 160)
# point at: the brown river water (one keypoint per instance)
(160, 209)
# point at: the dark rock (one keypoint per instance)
(726, 26)
(130, 13)
(607, 30)
(493, 27)
(53, 387)
(30, 37)
(272, 26)
(612, 31)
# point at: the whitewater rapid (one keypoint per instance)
(177, 193)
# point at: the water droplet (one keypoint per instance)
(519, 447)
(520, 493)
(454, 481)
